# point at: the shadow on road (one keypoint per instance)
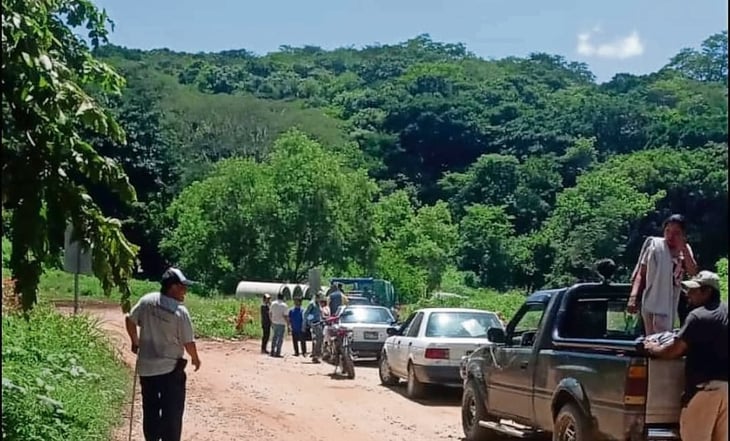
(434, 395)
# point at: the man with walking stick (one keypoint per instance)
(166, 332)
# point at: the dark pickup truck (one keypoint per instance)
(568, 365)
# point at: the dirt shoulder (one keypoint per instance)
(240, 394)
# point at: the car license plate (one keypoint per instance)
(370, 335)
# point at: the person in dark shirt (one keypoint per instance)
(296, 322)
(265, 323)
(704, 341)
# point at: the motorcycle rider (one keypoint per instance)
(313, 319)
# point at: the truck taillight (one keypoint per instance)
(636, 383)
(437, 353)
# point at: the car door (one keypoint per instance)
(510, 384)
(413, 346)
(403, 343)
(392, 343)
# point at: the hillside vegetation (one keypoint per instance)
(512, 173)
(417, 162)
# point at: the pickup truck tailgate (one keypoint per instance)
(666, 384)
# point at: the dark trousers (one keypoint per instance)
(163, 404)
(299, 341)
(265, 338)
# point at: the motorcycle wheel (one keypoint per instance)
(348, 366)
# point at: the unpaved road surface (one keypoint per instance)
(239, 394)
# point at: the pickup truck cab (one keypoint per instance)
(569, 365)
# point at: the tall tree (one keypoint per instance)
(47, 163)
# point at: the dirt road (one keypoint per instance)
(238, 394)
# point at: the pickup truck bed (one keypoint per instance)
(569, 365)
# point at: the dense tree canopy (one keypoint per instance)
(406, 161)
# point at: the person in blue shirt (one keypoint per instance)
(296, 321)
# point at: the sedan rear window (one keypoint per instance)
(461, 324)
(366, 315)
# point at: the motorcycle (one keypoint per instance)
(337, 348)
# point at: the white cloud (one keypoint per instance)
(620, 48)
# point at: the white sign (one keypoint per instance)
(76, 260)
(315, 283)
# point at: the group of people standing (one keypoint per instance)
(303, 324)
(662, 297)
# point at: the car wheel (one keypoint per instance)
(414, 388)
(387, 378)
(571, 425)
(473, 411)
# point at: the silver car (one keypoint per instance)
(369, 324)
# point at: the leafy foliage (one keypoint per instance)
(62, 379)
(272, 220)
(508, 173)
(47, 162)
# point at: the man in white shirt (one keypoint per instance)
(279, 320)
(166, 331)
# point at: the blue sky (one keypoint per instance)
(637, 36)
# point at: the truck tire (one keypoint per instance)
(571, 424)
(473, 411)
(387, 378)
(414, 388)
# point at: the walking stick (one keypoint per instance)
(134, 392)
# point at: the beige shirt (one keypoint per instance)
(279, 311)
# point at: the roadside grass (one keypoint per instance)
(62, 379)
(214, 316)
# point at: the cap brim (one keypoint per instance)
(690, 284)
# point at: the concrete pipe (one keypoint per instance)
(308, 294)
(295, 290)
(251, 290)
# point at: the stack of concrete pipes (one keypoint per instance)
(251, 290)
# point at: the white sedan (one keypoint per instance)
(370, 325)
(428, 346)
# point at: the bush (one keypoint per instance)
(721, 268)
(505, 303)
(62, 380)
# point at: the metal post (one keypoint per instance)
(76, 279)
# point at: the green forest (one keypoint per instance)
(417, 162)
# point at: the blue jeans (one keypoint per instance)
(278, 339)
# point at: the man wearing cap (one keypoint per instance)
(704, 340)
(265, 322)
(166, 332)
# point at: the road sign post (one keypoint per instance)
(76, 260)
(315, 277)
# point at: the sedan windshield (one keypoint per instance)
(461, 324)
(366, 315)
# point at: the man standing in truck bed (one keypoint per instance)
(704, 340)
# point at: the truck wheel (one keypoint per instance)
(571, 425)
(473, 411)
(414, 388)
(386, 375)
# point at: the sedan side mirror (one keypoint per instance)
(496, 335)
(393, 331)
